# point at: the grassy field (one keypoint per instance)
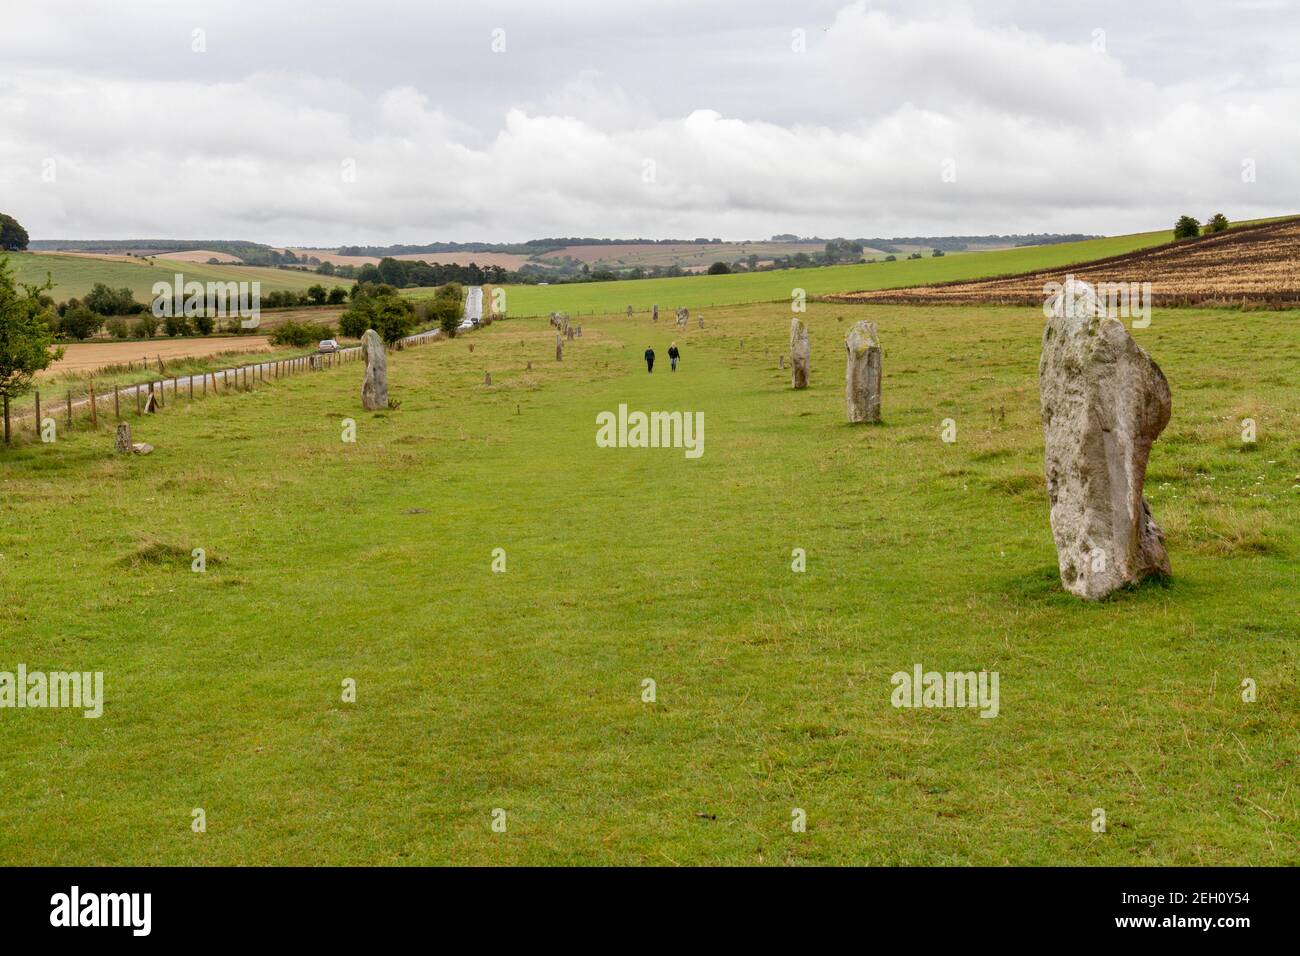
(522, 691)
(705, 291)
(74, 276)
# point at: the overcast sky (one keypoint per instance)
(318, 123)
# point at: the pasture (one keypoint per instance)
(74, 274)
(523, 690)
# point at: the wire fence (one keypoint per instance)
(147, 398)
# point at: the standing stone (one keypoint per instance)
(683, 316)
(471, 346)
(701, 321)
(559, 347)
(654, 313)
(780, 362)
(530, 366)
(629, 312)
(800, 353)
(374, 389)
(122, 440)
(487, 378)
(862, 375)
(1104, 401)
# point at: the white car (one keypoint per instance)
(327, 345)
(466, 325)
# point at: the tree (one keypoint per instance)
(388, 314)
(105, 301)
(80, 323)
(1186, 227)
(317, 295)
(1218, 223)
(25, 338)
(176, 325)
(719, 269)
(338, 295)
(204, 324)
(13, 237)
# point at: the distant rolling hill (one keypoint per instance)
(75, 274)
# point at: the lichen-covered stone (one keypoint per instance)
(374, 388)
(800, 353)
(862, 376)
(1104, 402)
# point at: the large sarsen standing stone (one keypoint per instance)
(800, 353)
(862, 375)
(1104, 401)
(374, 389)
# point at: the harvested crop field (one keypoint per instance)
(86, 356)
(1258, 264)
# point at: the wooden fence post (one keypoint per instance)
(137, 398)
(69, 407)
(117, 404)
(94, 415)
(38, 411)
(6, 400)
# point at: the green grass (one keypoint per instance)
(522, 690)
(74, 276)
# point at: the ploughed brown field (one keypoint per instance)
(1257, 264)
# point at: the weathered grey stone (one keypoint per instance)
(1104, 401)
(374, 388)
(142, 448)
(862, 374)
(800, 353)
(122, 440)
(487, 378)
(629, 312)
(683, 316)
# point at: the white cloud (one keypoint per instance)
(846, 139)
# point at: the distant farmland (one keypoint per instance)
(1256, 263)
(74, 275)
(705, 291)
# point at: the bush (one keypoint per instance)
(176, 325)
(79, 323)
(299, 334)
(719, 269)
(117, 327)
(146, 325)
(338, 295)
(204, 324)
(1186, 228)
(1218, 223)
(317, 295)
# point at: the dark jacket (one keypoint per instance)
(673, 353)
(649, 355)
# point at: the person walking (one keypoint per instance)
(649, 359)
(673, 355)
